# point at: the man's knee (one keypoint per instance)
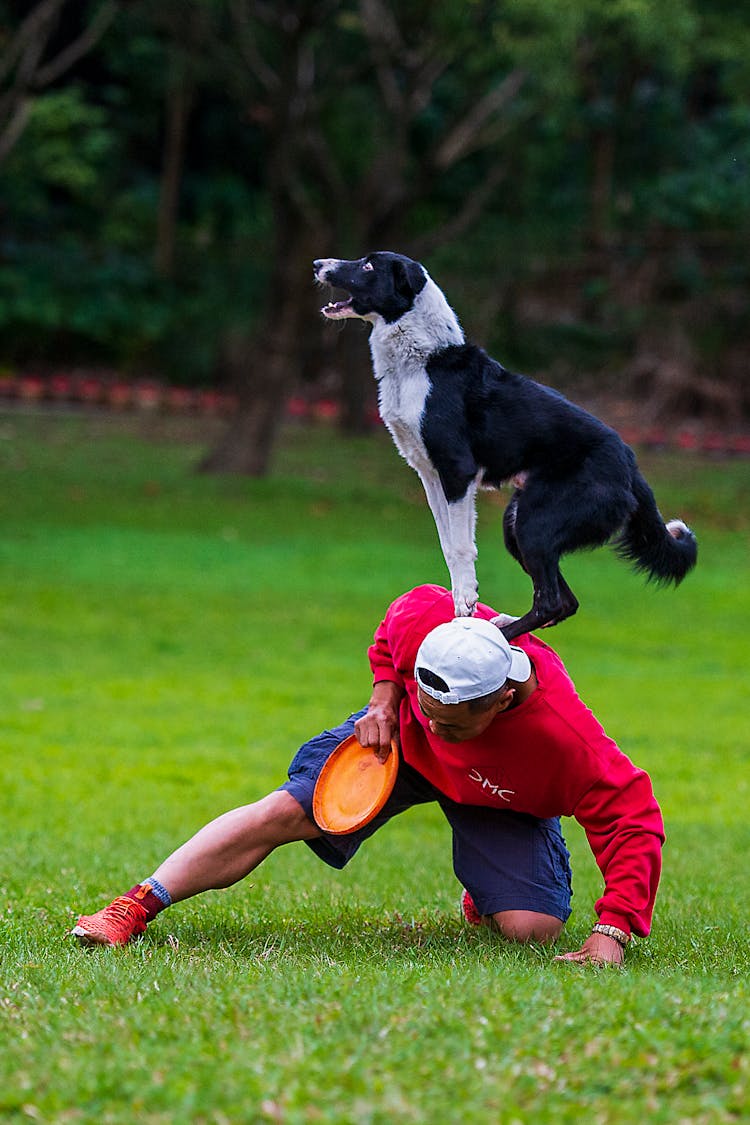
(527, 925)
(283, 813)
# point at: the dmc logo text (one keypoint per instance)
(495, 790)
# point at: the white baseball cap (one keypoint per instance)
(471, 657)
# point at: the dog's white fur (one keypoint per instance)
(399, 354)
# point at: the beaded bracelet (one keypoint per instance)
(611, 931)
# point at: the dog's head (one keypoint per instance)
(378, 286)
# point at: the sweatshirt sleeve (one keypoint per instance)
(624, 828)
(381, 658)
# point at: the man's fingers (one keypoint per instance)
(382, 748)
(376, 734)
(581, 957)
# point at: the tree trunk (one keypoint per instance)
(262, 374)
(265, 368)
(178, 103)
(247, 444)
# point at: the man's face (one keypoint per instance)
(458, 722)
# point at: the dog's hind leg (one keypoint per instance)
(509, 530)
(504, 621)
(553, 600)
(456, 527)
(531, 538)
(570, 601)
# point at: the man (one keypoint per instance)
(497, 735)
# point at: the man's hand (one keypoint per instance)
(598, 949)
(380, 724)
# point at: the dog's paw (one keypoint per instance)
(465, 602)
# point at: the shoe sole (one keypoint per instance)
(89, 937)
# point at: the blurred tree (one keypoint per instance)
(35, 51)
(575, 175)
(599, 66)
(184, 29)
(365, 107)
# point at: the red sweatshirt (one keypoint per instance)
(548, 757)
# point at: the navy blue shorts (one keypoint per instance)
(506, 860)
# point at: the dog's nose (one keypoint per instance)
(322, 265)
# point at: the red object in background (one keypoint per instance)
(30, 388)
(60, 387)
(216, 402)
(655, 438)
(89, 388)
(326, 410)
(151, 394)
(687, 441)
(714, 443)
(297, 407)
(119, 394)
(739, 445)
(179, 399)
(147, 395)
(209, 402)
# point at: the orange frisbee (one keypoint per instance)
(352, 787)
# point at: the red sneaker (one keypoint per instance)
(469, 910)
(116, 924)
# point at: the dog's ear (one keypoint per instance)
(408, 277)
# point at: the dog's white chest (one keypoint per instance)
(402, 392)
(399, 356)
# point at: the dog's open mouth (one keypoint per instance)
(337, 310)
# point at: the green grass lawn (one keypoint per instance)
(166, 642)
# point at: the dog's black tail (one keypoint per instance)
(665, 552)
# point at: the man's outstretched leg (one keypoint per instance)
(220, 854)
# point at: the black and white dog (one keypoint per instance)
(463, 421)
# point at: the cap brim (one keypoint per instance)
(520, 665)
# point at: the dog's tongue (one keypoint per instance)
(334, 310)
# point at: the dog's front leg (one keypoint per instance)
(456, 527)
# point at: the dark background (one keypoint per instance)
(576, 182)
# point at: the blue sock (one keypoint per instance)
(160, 891)
(152, 896)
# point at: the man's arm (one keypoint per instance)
(380, 724)
(625, 831)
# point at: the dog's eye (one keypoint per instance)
(368, 266)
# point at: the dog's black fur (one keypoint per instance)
(580, 482)
(577, 483)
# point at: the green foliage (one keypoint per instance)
(68, 145)
(85, 303)
(169, 639)
(665, 84)
(88, 292)
(558, 42)
(706, 188)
